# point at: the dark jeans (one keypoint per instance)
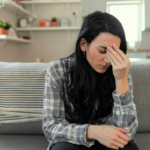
(97, 146)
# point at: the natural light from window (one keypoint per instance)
(127, 14)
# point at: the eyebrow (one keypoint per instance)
(103, 47)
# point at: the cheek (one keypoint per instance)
(95, 55)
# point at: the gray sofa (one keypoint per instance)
(22, 86)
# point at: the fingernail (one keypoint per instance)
(108, 47)
(114, 44)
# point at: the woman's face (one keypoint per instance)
(96, 54)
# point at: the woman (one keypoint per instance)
(88, 96)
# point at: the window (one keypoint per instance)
(128, 13)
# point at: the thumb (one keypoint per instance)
(121, 129)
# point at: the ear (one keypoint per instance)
(83, 45)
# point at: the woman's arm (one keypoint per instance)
(122, 86)
(124, 110)
(55, 127)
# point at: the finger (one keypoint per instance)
(114, 60)
(117, 144)
(121, 129)
(111, 61)
(115, 55)
(121, 53)
(124, 137)
(114, 147)
(121, 141)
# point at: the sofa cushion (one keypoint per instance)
(141, 91)
(143, 140)
(21, 93)
(23, 142)
(39, 142)
(34, 127)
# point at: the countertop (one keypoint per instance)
(139, 60)
(139, 50)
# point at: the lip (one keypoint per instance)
(104, 67)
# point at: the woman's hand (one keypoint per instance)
(111, 136)
(119, 61)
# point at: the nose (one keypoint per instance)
(106, 59)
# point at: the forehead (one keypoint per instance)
(107, 39)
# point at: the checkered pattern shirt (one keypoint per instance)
(57, 129)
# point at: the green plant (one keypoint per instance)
(7, 26)
(2, 24)
(54, 19)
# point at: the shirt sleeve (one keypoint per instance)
(54, 125)
(124, 111)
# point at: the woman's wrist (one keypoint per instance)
(91, 132)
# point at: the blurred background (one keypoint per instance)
(46, 30)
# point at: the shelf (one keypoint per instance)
(4, 37)
(67, 29)
(47, 28)
(52, 1)
(13, 7)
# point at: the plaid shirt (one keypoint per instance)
(57, 129)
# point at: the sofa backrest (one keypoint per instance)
(21, 97)
(141, 91)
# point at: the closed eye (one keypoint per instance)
(102, 52)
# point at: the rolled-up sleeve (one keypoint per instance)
(54, 125)
(124, 111)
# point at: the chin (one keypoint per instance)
(101, 70)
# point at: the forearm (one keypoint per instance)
(124, 110)
(64, 131)
(122, 86)
(91, 132)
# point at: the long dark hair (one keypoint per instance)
(79, 89)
